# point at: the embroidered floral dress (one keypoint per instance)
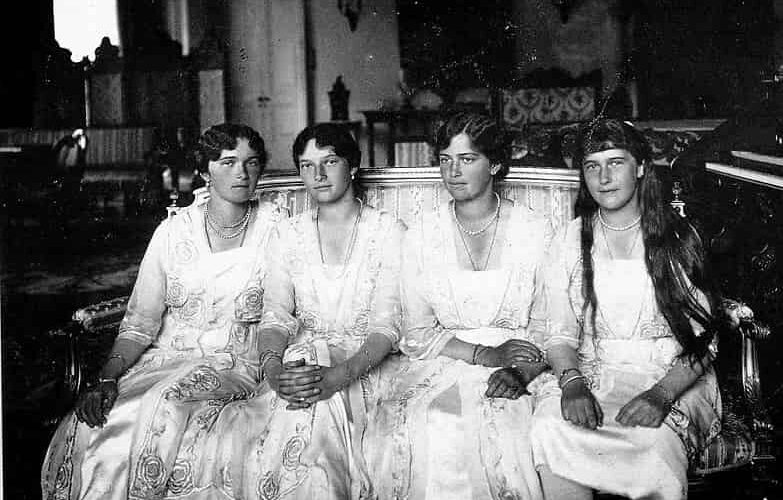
(435, 434)
(328, 311)
(631, 348)
(199, 313)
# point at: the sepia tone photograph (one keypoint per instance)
(391, 249)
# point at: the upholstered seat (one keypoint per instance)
(409, 193)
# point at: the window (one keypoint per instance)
(79, 25)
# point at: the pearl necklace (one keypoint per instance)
(351, 241)
(610, 227)
(221, 230)
(628, 251)
(484, 227)
(489, 252)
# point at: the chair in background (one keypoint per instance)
(548, 96)
(541, 109)
(70, 156)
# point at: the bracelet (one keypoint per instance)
(562, 373)
(369, 360)
(477, 350)
(571, 379)
(663, 393)
(116, 355)
(347, 379)
(107, 380)
(268, 355)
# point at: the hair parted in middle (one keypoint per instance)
(485, 135)
(333, 135)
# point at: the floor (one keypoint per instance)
(45, 274)
(48, 272)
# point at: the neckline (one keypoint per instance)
(450, 236)
(315, 256)
(249, 236)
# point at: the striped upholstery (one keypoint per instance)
(409, 193)
(732, 448)
(105, 146)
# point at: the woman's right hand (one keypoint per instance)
(510, 353)
(580, 407)
(296, 381)
(95, 403)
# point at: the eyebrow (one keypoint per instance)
(234, 157)
(466, 153)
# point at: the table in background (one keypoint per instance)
(404, 120)
(355, 126)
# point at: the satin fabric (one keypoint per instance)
(198, 314)
(328, 311)
(435, 434)
(629, 350)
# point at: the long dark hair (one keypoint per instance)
(673, 253)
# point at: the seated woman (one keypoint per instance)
(629, 334)
(187, 344)
(331, 317)
(452, 425)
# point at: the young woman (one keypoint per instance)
(331, 317)
(187, 344)
(629, 334)
(455, 423)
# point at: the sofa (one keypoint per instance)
(409, 193)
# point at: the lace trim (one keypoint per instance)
(375, 231)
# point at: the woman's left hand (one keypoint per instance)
(332, 380)
(648, 409)
(505, 383)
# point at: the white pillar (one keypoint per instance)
(248, 62)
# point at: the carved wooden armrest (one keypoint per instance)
(740, 319)
(95, 322)
(98, 316)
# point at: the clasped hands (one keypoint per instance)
(648, 409)
(302, 385)
(519, 361)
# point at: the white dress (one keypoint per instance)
(631, 349)
(328, 311)
(435, 434)
(199, 313)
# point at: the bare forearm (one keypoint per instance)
(459, 349)
(371, 353)
(273, 343)
(124, 354)
(682, 376)
(561, 358)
